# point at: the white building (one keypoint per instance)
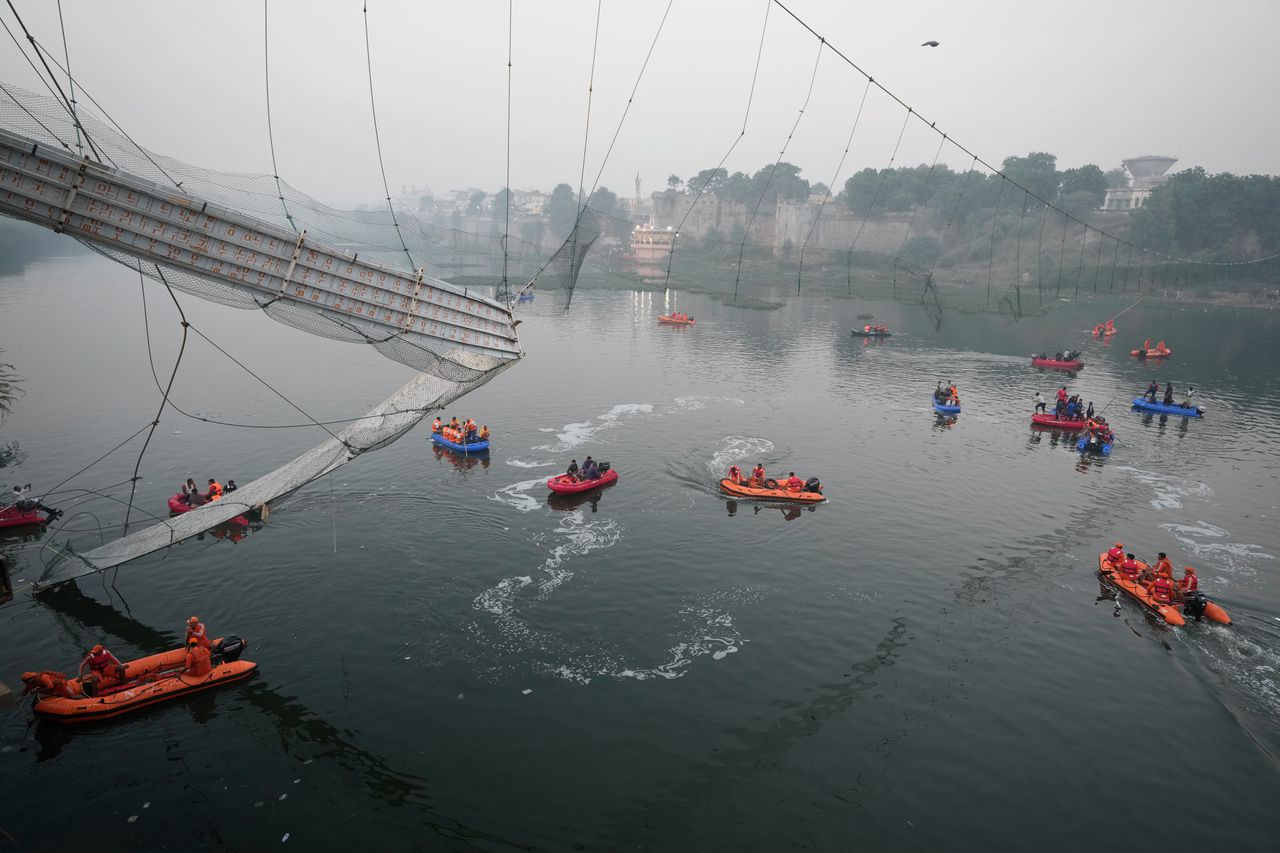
(1145, 174)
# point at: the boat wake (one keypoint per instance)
(578, 433)
(517, 495)
(516, 463)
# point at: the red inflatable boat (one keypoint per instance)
(1055, 364)
(11, 516)
(567, 484)
(1057, 423)
(178, 507)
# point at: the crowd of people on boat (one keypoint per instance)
(460, 432)
(758, 479)
(878, 327)
(1156, 578)
(677, 315)
(1107, 328)
(1061, 355)
(589, 470)
(1158, 349)
(1153, 391)
(946, 394)
(191, 495)
(1067, 407)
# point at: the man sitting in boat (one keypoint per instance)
(215, 491)
(1129, 567)
(794, 483)
(573, 469)
(867, 328)
(437, 425)
(197, 662)
(757, 476)
(1162, 589)
(590, 470)
(103, 666)
(1116, 554)
(1188, 583)
(735, 476)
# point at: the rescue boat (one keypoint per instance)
(1197, 606)
(860, 333)
(1084, 444)
(147, 681)
(674, 321)
(178, 506)
(1171, 409)
(11, 516)
(1151, 353)
(1057, 364)
(1057, 423)
(777, 493)
(1105, 333)
(567, 484)
(471, 447)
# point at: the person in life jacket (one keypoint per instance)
(196, 632)
(1163, 566)
(794, 483)
(867, 327)
(437, 425)
(47, 683)
(735, 475)
(1188, 582)
(101, 663)
(757, 476)
(453, 423)
(1116, 554)
(1146, 345)
(484, 433)
(215, 491)
(1130, 567)
(197, 662)
(1162, 589)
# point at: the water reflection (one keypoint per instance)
(568, 503)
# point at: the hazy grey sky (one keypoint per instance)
(1090, 81)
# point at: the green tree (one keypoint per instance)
(1037, 172)
(674, 182)
(477, 202)
(1117, 177)
(500, 200)
(712, 179)
(604, 201)
(1089, 180)
(562, 210)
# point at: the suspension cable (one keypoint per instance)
(377, 139)
(271, 138)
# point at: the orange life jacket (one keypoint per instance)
(1130, 568)
(484, 432)
(1115, 555)
(436, 425)
(196, 632)
(1164, 567)
(215, 490)
(1162, 589)
(1189, 582)
(795, 484)
(197, 661)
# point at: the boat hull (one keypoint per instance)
(671, 321)
(1185, 411)
(147, 681)
(178, 507)
(471, 448)
(1170, 613)
(11, 516)
(750, 493)
(1038, 419)
(564, 484)
(1055, 364)
(859, 334)
(945, 410)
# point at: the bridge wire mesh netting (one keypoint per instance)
(471, 265)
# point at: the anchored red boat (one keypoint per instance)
(1055, 422)
(1056, 364)
(567, 484)
(11, 516)
(146, 681)
(177, 506)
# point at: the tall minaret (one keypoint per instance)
(636, 218)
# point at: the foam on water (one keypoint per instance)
(695, 403)
(736, 448)
(517, 495)
(576, 434)
(1226, 558)
(516, 463)
(713, 633)
(1169, 491)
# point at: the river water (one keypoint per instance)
(449, 660)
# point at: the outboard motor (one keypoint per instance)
(229, 649)
(1194, 604)
(812, 485)
(603, 466)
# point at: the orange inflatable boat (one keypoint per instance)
(774, 494)
(147, 681)
(1174, 613)
(676, 319)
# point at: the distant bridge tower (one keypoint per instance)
(1145, 174)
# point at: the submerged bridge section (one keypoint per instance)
(242, 260)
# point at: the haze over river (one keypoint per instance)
(449, 660)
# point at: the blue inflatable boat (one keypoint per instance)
(1186, 411)
(1083, 444)
(945, 410)
(470, 448)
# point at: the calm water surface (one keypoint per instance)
(449, 660)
